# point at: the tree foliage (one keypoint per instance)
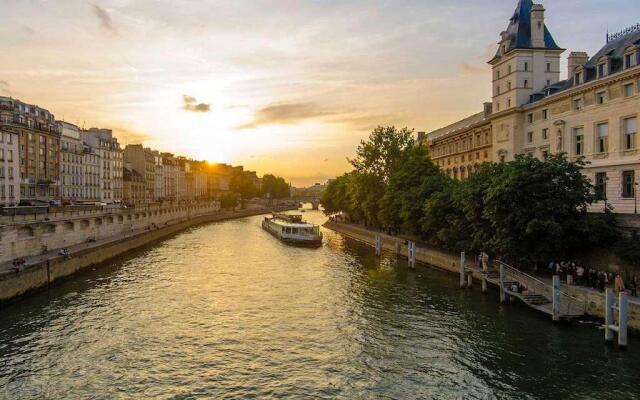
(275, 187)
(527, 210)
(242, 184)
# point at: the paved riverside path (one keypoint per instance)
(32, 261)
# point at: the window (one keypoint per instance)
(526, 66)
(601, 185)
(578, 134)
(498, 74)
(628, 90)
(630, 129)
(545, 154)
(628, 184)
(509, 102)
(578, 104)
(545, 134)
(602, 131)
(628, 60)
(548, 82)
(601, 70)
(529, 137)
(509, 68)
(526, 83)
(530, 117)
(545, 114)
(548, 67)
(577, 78)
(509, 85)
(498, 89)
(600, 97)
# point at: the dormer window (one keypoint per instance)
(577, 78)
(630, 57)
(602, 70)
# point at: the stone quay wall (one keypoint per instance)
(593, 299)
(44, 270)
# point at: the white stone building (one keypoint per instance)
(71, 163)
(91, 182)
(111, 163)
(9, 169)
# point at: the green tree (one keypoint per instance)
(242, 184)
(229, 201)
(275, 187)
(417, 179)
(384, 152)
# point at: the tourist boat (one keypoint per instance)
(292, 229)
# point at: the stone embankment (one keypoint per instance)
(92, 238)
(594, 299)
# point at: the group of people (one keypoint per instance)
(64, 253)
(578, 274)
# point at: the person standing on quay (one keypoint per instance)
(485, 262)
(619, 283)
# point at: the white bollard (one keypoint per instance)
(555, 305)
(378, 245)
(609, 304)
(623, 315)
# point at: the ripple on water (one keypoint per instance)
(226, 311)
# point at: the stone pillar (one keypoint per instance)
(623, 314)
(378, 244)
(609, 304)
(555, 305)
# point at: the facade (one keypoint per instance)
(181, 178)
(71, 163)
(169, 173)
(159, 192)
(9, 169)
(91, 166)
(591, 115)
(38, 151)
(111, 161)
(134, 187)
(459, 149)
(143, 160)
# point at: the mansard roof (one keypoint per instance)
(519, 30)
(614, 50)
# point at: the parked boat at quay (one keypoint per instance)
(292, 229)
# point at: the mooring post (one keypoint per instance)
(484, 283)
(462, 277)
(48, 273)
(609, 304)
(503, 294)
(378, 245)
(411, 249)
(555, 305)
(622, 319)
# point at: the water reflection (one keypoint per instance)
(227, 311)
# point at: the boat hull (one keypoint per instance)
(293, 241)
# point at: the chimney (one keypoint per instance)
(576, 59)
(420, 138)
(488, 109)
(537, 26)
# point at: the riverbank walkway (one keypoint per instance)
(537, 292)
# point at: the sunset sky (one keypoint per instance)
(279, 86)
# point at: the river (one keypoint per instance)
(226, 311)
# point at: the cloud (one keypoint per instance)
(104, 17)
(283, 114)
(126, 136)
(4, 87)
(190, 104)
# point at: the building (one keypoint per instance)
(590, 115)
(9, 169)
(143, 161)
(181, 178)
(71, 163)
(111, 160)
(133, 187)
(159, 193)
(460, 148)
(91, 172)
(169, 172)
(38, 151)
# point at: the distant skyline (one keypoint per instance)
(288, 87)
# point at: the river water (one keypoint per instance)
(227, 311)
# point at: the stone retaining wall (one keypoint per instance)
(33, 277)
